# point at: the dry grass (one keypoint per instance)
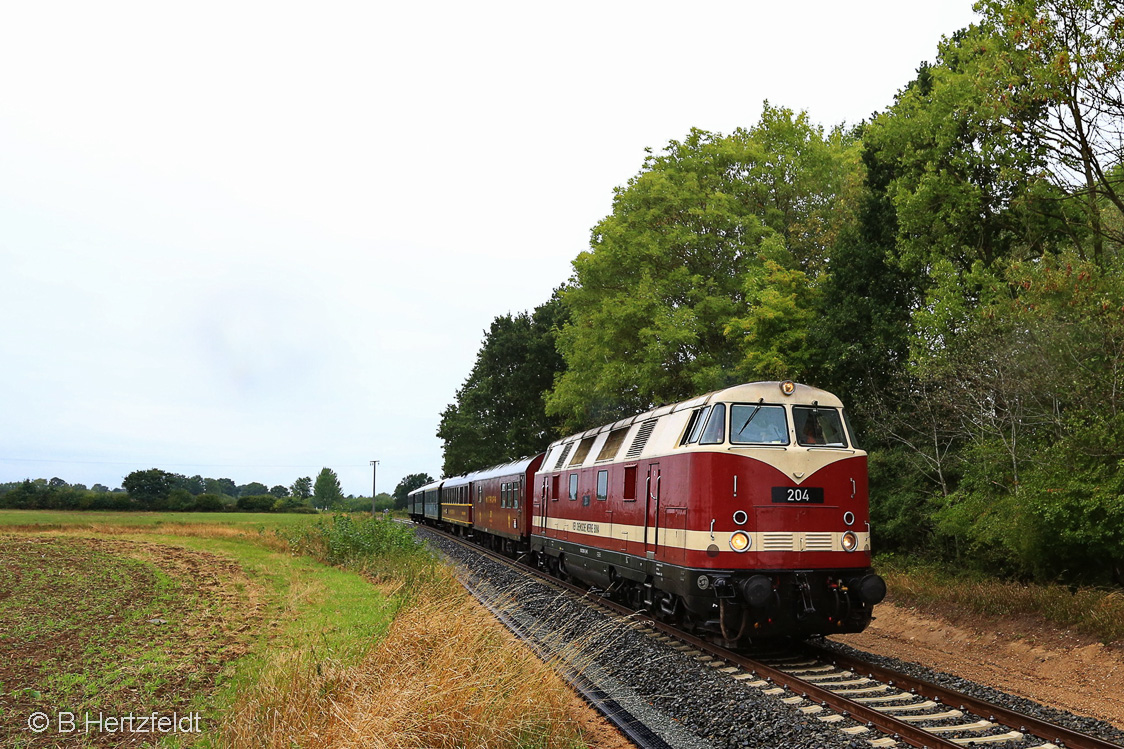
(1093, 611)
(447, 675)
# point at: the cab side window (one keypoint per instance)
(715, 431)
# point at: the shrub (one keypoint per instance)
(256, 503)
(209, 503)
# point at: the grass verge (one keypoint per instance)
(1094, 612)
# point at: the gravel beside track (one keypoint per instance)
(1093, 727)
(689, 704)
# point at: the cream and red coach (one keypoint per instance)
(743, 511)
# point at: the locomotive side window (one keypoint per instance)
(573, 486)
(697, 419)
(602, 484)
(554, 487)
(612, 444)
(582, 451)
(758, 424)
(629, 483)
(690, 427)
(817, 426)
(715, 431)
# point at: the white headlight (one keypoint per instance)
(850, 541)
(740, 541)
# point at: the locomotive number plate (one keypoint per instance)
(807, 495)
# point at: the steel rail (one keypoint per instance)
(887, 724)
(1042, 729)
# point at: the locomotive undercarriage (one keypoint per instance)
(737, 606)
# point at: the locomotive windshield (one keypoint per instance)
(758, 424)
(817, 426)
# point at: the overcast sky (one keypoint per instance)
(255, 239)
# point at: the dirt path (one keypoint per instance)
(1023, 658)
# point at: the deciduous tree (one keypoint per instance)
(407, 485)
(327, 492)
(499, 413)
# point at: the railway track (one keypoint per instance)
(863, 701)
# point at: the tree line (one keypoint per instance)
(158, 490)
(951, 267)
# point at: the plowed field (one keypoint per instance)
(101, 638)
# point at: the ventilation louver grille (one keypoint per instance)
(562, 458)
(818, 541)
(641, 439)
(771, 541)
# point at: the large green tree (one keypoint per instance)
(704, 273)
(150, 489)
(499, 413)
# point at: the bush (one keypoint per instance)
(361, 542)
(256, 503)
(209, 503)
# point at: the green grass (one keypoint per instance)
(1095, 612)
(55, 519)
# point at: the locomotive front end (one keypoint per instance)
(787, 490)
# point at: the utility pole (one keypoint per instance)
(374, 483)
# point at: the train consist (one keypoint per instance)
(742, 513)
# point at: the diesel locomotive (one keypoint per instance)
(742, 513)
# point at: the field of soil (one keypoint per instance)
(1028, 658)
(112, 627)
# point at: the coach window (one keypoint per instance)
(602, 484)
(573, 486)
(629, 492)
(715, 431)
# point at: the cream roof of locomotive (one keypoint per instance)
(670, 421)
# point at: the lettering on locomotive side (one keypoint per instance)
(580, 527)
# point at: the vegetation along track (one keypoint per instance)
(864, 702)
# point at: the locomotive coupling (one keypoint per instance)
(871, 588)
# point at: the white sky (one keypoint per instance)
(254, 239)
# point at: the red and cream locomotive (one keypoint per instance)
(743, 512)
